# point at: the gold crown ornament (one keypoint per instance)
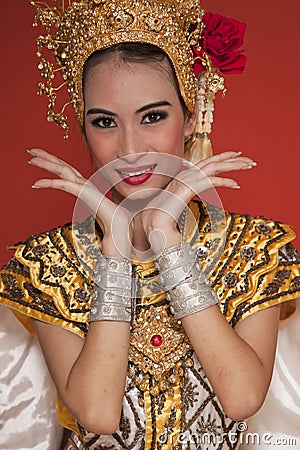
(74, 30)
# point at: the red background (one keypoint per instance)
(259, 115)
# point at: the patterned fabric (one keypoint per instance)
(277, 424)
(168, 402)
(27, 393)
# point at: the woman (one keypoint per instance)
(199, 360)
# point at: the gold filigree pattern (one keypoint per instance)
(51, 279)
(101, 24)
(159, 361)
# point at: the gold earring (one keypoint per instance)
(198, 147)
(210, 82)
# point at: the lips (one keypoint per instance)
(135, 171)
(136, 175)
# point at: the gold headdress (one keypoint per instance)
(76, 29)
(86, 26)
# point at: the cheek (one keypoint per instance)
(168, 137)
(100, 148)
(174, 140)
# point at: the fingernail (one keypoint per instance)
(35, 187)
(30, 152)
(250, 166)
(236, 187)
(235, 155)
(186, 163)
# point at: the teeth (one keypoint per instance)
(138, 173)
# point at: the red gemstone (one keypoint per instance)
(156, 340)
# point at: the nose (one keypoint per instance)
(131, 145)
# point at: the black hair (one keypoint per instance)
(130, 52)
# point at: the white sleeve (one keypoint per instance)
(27, 394)
(277, 424)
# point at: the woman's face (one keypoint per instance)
(133, 120)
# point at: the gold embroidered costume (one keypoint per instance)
(168, 401)
(249, 261)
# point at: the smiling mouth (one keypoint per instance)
(137, 173)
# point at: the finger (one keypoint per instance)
(62, 170)
(40, 155)
(224, 182)
(190, 181)
(214, 168)
(219, 157)
(104, 210)
(171, 202)
(85, 191)
(195, 187)
(43, 155)
(225, 156)
(212, 165)
(69, 186)
(188, 184)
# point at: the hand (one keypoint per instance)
(110, 217)
(163, 211)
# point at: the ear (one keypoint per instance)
(190, 121)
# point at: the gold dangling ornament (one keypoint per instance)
(198, 147)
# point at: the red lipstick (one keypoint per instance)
(136, 175)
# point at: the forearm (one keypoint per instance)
(94, 389)
(99, 373)
(237, 374)
(239, 366)
(90, 374)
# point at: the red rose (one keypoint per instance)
(222, 40)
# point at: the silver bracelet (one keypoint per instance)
(175, 264)
(185, 306)
(188, 289)
(112, 296)
(109, 306)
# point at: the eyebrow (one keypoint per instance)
(153, 105)
(142, 109)
(100, 111)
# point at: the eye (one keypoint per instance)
(104, 122)
(154, 116)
